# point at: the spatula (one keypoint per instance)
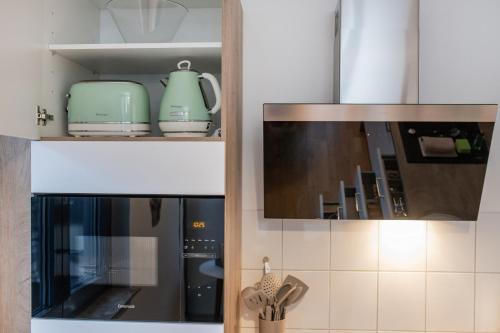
(256, 301)
(300, 286)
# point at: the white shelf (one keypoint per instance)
(147, 58)
(186, 3)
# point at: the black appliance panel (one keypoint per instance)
(306, 161)
(122, 258)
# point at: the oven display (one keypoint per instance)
(199, 225)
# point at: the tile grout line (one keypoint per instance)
(282, 246)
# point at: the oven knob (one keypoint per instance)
(186, 247)
(199, 295)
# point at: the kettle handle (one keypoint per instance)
(216, 87)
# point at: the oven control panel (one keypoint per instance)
(200, 248)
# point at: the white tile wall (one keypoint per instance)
(402, 245)
(313, 312)
(262, 237)
(488, 303)
(441, 298)
(450, 246)
(353, 300)
(488, 243)
(306, 244)
(354, 245)
(288, 58)
(450, 302)
(401, 301)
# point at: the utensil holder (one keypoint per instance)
(268, 326)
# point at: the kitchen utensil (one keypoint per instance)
(269, 313)
(299, 284)
(283, 290)
(183, 110)
(281, 299)
(270, 282)
(147, 21)
(256, 301)
(108, 108)
(246, 294)
(294, 297)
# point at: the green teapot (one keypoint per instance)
(184, 110)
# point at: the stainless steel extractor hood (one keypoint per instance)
(376, 52)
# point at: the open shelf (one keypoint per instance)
(147, 58)
(128, 139)
(186, 3)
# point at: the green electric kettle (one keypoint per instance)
(183, 110)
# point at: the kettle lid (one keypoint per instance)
(185, 66)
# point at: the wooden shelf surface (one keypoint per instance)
(129, 139)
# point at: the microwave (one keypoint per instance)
(126, 259)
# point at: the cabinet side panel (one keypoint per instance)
(232, 128)
(15, 231)
(21, 34)
(71, 22)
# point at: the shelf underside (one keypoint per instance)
(147, 58)
(186, 3)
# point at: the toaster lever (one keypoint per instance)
(42, 117)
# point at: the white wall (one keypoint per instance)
(373, 276)
(288, 57)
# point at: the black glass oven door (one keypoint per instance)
(106, 258)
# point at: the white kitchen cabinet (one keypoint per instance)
(51, 44)
(21, 66)
(119, 168)
(48, 45)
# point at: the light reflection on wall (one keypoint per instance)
(403, 245)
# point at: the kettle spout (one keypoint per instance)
(164, 82)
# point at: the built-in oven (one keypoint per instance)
(128, 258)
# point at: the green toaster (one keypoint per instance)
(108, 108)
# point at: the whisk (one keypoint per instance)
(270, 282)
